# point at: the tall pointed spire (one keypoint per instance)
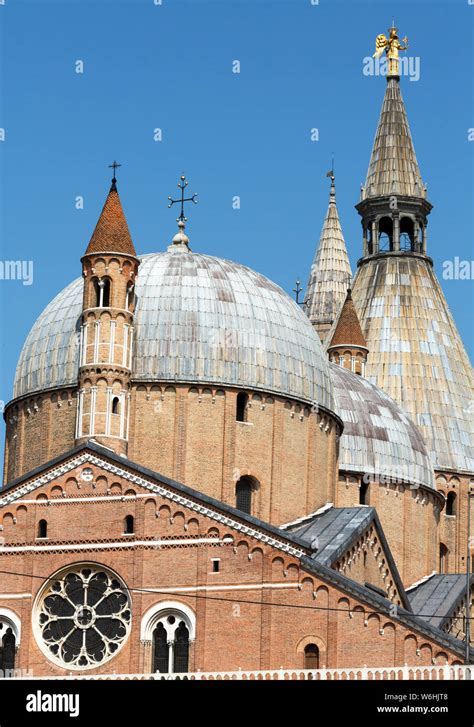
(393, 167)
(111, 233)
(330, 271)
(416, 353)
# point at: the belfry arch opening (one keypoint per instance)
(407, 234)
(386, 234)
(101, 292)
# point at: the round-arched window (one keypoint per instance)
(82, 616)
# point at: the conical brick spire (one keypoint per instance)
(347, 330)
(393, 167)
(111, 233)
(330, 272)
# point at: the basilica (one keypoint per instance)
(202, 475)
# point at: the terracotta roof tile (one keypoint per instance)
(348, 330)
(111, 233)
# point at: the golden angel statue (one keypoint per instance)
(391, 45)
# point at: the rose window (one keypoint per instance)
(83, 617)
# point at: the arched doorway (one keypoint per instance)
(311, 656)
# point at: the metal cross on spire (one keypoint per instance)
(182, 186)
(115, 165)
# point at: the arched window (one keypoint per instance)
(115, 405)
(130, 297)
(181, 649)
(171, 645)
(102, 292)
(96, 293)
(311, 656)
(128, 525)
(407, 234)
(242, 401)
(243, 494)
(386, 234)
(364, 493)
(7, 649)
(443, 558)
(451, 503)
(42, 529)
(160, 650)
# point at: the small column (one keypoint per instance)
(365, 246)
(416, 236)
(375, 237)
(396, 232)
(424, 239)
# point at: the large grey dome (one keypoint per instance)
(198, 319)
(379, 439)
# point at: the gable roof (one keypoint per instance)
(93, 453)
(437, 598)
(291, 543)
(337, 529)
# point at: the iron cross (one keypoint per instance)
(182, 186)
(297, 291)
(114, 166)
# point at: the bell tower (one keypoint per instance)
(109, 269)
(416, 354)
(393, 203)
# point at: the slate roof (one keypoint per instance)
(437, 598)
(336, 529)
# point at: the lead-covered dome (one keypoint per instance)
(198, 319)
(379, 439)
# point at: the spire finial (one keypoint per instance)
(332, 193)
(183, 183)
(297, 290)
(115, 165)
(391, 46)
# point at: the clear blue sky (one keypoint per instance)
(247, 134)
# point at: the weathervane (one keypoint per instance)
(297, 291)
(391, 45)
(182, 186)
(331, 171)
(114, 166)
